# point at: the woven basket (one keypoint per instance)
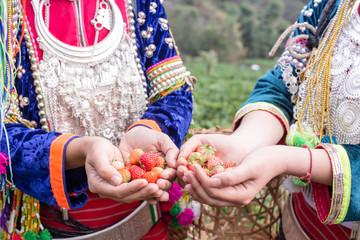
(258, 220)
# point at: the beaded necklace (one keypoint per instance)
(318, 72)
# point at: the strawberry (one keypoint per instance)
(117, 164)
(216, 170)
(207, 171)
(160, 162)
(228, 164)
(206, 150)
(189, 166)
(148, 161)
(157, 171)
(229, 169)
(135, 155)
(151, 177)
(196, 157)
(213, 161)
(136, 172)
(126, 175)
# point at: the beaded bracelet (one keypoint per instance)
(307, 177)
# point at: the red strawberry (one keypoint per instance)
(117, 164)
(136, 172)
(135, 155)
(216, 170)
(213, 161)
(126, 175)
(160, 162)
(206, 150)
(148, 161)
(228, 164)
(190, 167)
(151, 177)
(196, 157)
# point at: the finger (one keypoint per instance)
(164, 184)
(164, 197)
(180, 171)
(237, 176)
(169, 174)
(188, 147)
(168, 147)
(199, 194)
(150, 191)
(123, 190)
(152, 201)
(105, 171)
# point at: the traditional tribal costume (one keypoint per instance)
(86, 68)
(315, 93)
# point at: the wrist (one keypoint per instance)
(76, 151)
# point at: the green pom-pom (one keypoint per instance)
(175, 210)
(175, 224)
(295, 138)
(299, 182)
(45, 235)
(30, 235)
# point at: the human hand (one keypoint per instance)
(239, 186)
(228, 148)
(153, 142)
(97, 154)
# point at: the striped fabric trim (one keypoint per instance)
(155, 212)
(165, 74)
(146, 123)
(56, 167)
(263, 106)
(309, 222)
(332, 210)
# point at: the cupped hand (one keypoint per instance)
(153, 142)
(104, 180)
(228, 148)
(236, 187)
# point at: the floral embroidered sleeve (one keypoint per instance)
(37, 166)
(169, 84)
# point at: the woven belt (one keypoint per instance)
(133, 227)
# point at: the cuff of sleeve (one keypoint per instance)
(145, 123)
(332, 210)
(262, 106)
(57, 169)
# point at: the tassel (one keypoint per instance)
(31, 235)
(45, 235)
(5, 215)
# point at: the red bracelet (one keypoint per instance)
(307, 177)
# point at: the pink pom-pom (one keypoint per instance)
(175, 192)
(4, 160)
(186, 217)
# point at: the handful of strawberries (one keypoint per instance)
(204, 156)
(141, 165)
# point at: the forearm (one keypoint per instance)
(296, 162)
(259, 129)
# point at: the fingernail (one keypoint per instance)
(215, 182)
(116, 180)
(185, 179)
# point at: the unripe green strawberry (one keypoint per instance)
(206, 150)
(213, 161)
(228, 164)
(117, 164)
(136, 172)
(217, 169)
(196, 157)
(148, 161)
(135, 156)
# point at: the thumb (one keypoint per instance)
(234, 177)
(168, 147)
(105, 170)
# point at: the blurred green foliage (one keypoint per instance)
(218, 96)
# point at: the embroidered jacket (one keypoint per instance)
(37, 156)
(276, 92)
